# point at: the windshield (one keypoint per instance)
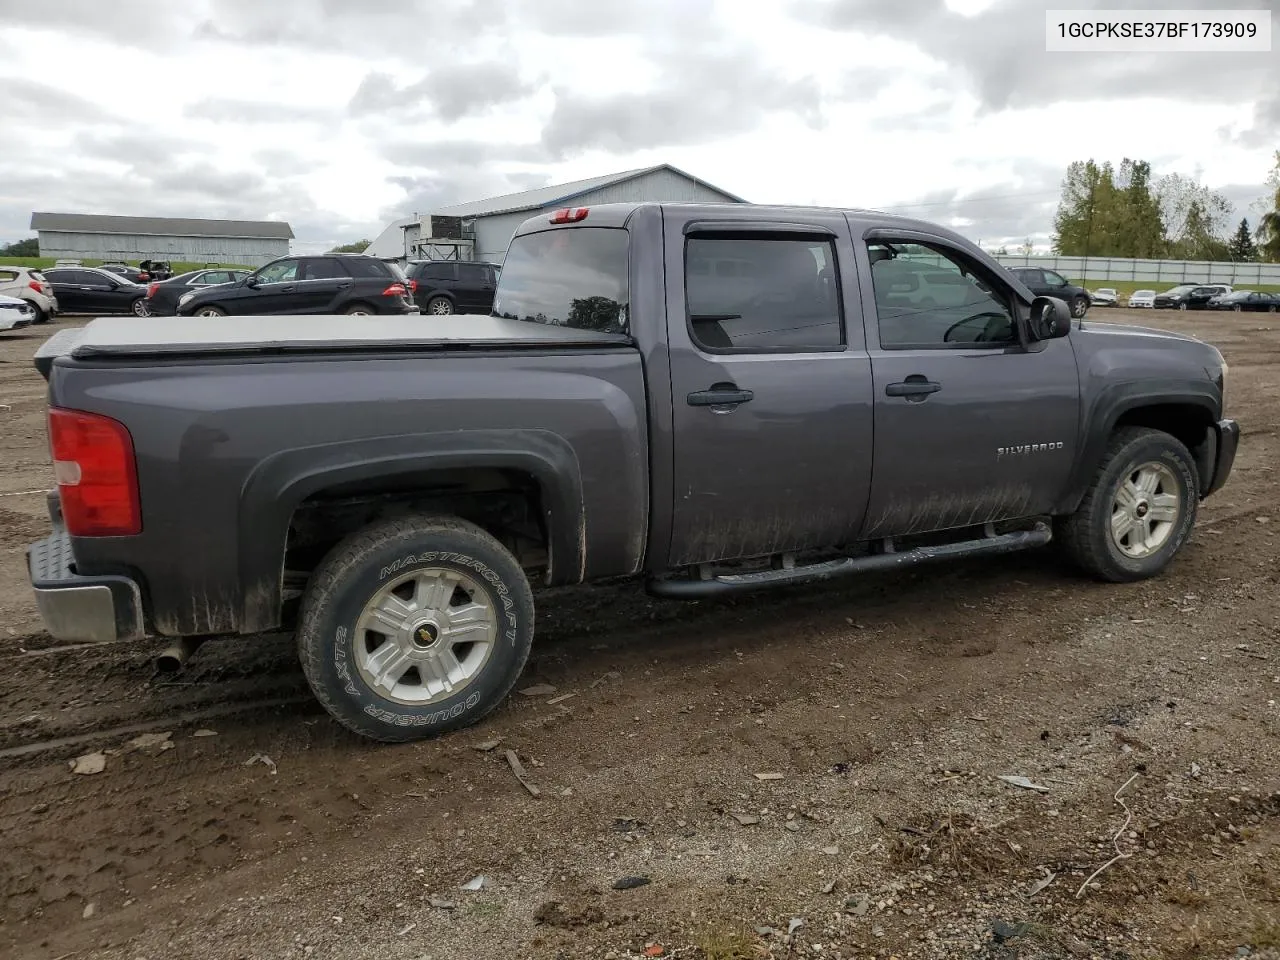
(575, 277)
(1181, 289)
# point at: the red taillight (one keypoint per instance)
(96, 474)
(143, 277)
(413, 286)
(569, 215)
(395, 290)
(36, 285)
(151, 290)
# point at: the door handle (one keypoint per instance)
(343, 286)
(719, 396)
(914, 386)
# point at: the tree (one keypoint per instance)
(1141, 228)
(358, 246)
(1194, 217)
(1243, 249)
(1269, 223)
(29, 247)
(1079, 223)
(1027, 248)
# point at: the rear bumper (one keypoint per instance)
(78, 609)
(1228, 441)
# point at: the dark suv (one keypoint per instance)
(1046, 283)
(335, 283)
(451, 286)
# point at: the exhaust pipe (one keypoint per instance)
(175, 657)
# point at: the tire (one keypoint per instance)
(440, 306)
(359, 310)
(1182, 306)
(41, 316)
(140, 307)
(403, 555)
(1079, 307)
(208, 312)
(1087, 535)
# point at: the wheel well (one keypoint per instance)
(1187, 422)
(506, 503)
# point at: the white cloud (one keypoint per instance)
(337, 115)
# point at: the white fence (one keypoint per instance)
(1155, 272)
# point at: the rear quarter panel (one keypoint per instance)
(226, 450)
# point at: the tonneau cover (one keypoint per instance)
(167, 336)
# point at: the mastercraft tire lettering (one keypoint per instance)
(414, 627)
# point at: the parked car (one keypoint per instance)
(405, 480)
(32, 286)
(443, 287)
(160, 269)
(1190, 296)
(163, 295)
(1247, 300)
(1143, 299)
(1104, 297)
(15, 313)
(1047, 283)
(91, 290)
(347, 283)
(132, 274)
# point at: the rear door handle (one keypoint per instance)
(913, 386)
(719, 396)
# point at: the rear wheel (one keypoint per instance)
(1079, 307)
(414, 627)
(41, 316)
(140, 307)
(359, 310)
(1138, 510)
(440, 306)
(210, 312)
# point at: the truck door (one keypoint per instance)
(771, 387)
(970, 426)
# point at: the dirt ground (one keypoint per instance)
(884, 711)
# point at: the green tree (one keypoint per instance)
(29, 247)
(357, 246)
(1141, 229)
(1269, 223)
(1194, 217)
(1243, 249)
(1079, 221)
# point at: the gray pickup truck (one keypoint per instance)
(714, 398)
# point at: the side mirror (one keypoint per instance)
(1050, 318)
(252, 282)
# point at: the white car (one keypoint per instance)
(1143, 298)
(1104, 297)
(29, 285)
(15, 314)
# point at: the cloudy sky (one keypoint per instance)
(338, 115)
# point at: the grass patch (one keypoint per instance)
(727, 943)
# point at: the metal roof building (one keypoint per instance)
(482, 229)
(248, 243)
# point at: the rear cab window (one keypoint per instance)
(569, 277)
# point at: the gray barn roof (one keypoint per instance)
(161, 226)
(563, 192)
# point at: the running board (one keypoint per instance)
(677, 589)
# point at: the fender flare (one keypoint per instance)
(281, 482)
(1113, 402)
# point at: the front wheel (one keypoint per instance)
(414, 627)
(141, 308)
(210, 312)
(1138, 510)
(440, 306)
(1079, 307)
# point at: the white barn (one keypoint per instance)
(488, 225)
(241, 243)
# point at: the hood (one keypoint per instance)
(1131, 330)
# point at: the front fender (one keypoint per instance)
(276, 486)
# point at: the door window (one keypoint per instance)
(8, 276)
(928, 297)
(282, 271)
(1053, 279)
(472, 273)
(774, 293)
(323, 269)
